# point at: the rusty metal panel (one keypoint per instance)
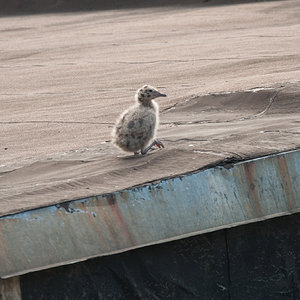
(219, 197)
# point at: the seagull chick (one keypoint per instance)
(136, 126)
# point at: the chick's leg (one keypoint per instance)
(156, 143)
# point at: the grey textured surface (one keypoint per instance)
(66, 77)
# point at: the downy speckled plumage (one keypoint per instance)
(136, 126)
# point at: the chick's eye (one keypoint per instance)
(150, 91)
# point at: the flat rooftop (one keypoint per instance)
(198, 132)
(231, 74)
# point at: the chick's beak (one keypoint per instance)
(161, 95)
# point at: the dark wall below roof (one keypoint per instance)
(254, 261)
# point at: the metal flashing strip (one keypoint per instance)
(196, 203)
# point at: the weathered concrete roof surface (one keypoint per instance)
(197, 132)
(66, 77)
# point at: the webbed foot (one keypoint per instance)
(156, 143)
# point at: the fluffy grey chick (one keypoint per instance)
(136, 126)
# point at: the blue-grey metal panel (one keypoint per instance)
(173, 208)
